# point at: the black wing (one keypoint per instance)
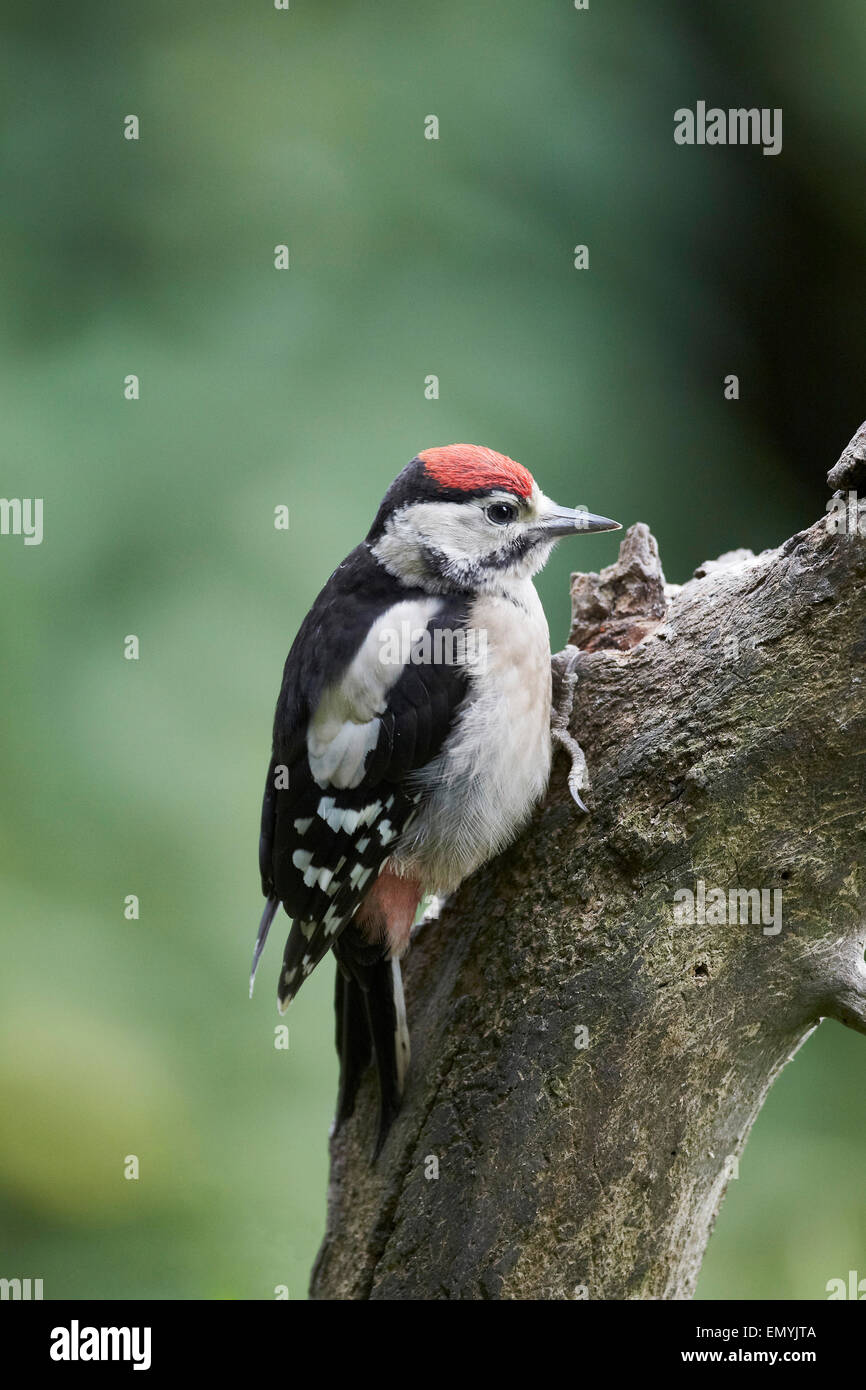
(321, 846)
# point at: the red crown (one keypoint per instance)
(469, 468)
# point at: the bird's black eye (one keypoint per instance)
(500, 513)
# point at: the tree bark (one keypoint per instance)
(587, 1065)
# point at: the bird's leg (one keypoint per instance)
(433, 908)
(564, 671)
(433, 904)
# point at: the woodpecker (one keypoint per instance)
(412, 736)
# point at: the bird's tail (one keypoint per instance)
(264, 927)
(371, 1026)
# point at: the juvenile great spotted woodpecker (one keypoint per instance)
(411, 737)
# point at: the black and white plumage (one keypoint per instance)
(411, 737)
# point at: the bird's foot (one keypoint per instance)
(433, 908)
(564, 668)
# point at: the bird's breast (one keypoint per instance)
(495, 764)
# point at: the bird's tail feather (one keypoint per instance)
(353, 1042)
(371, 1026)
(264, 927)
(404, 1050)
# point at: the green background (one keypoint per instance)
(306, 388)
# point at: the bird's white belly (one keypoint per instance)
(496, 762)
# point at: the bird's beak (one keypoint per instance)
(573, 521)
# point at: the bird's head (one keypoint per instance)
(463, 517)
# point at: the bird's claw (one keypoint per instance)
(565, 683)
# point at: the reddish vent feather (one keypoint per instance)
(469, 467)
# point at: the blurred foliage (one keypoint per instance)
(305, 387)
